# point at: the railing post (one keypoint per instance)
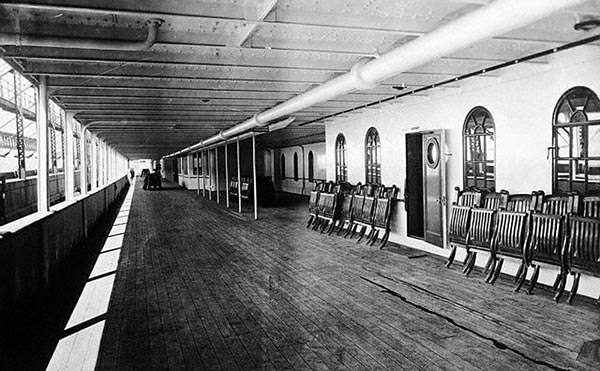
(254, 175)
(68, 162)
(42, 145)
(239, 177)
(217, 172)
(83, 162)
(226, 176)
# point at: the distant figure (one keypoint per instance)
(132, 173)
(152, 180)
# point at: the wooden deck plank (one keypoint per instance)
(203, 289)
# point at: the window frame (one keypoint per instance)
(583, 186)
(341, 169)
(486, 182)
(372, 157)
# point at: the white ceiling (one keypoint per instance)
(218, 62)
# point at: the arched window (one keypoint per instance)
(295, 166)
(341, 172)
(576, 140)
(372, 157)
(311, 166)
(479, 150)
(282, 166)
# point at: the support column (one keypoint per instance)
(209, 175)
(254, 175)
(226, 176)
(94, 163)
(239, 177)
(197, 160)
(84, 160)
(217, 172)
(203, 177)
(18, 89)
(69, 156)
(42, 145)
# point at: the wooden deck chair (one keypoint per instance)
(581, 253)
(458, 228)
(508, 240)
(382, 215)
(357, 206)
(543, 245)
(524, 203)
(561, 204)
(312, 203)
(364, 217)
(495, 200)
(325, 201)
(479, 235)
(468, 197)
(345, 209)
(591, 206)
(331, 206)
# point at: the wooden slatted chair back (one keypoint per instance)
(495, 200)
(384, 206)
(314, 197)
(346, 201)
(366, 212)
(468, 197)
(481, 227)
(545, 238)
(460, 217)
(522, 203)
(583, 247)
(509, 233)
(359, 200)
(591, 206)
(324, 200)
(560, 204)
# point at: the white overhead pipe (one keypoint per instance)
(494, 19)
(80, 43)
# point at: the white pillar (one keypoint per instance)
(254, 175)
(197, 160)
(209, 175)
(69, 156)
(94, 162)
(42, 146)
(239, 177)
(226, 176)
(217, 171)
(203, 173)
(84, 161)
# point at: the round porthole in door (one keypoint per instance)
(432, 152)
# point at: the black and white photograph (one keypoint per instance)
(299, 185)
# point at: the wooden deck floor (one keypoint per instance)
(199, 288)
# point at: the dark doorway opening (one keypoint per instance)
(413, 186)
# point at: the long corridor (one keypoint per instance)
(198, 287)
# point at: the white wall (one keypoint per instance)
(302, 185)
(520, 98)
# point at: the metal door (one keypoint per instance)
(434, 199)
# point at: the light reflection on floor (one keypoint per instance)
(78, 349)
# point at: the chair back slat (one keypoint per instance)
(481, 227)
(346, 202)
(546, 237)
(583, 248)
(458, 228)
(509, 233)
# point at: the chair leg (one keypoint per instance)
(375, 237)
(332, 227)
(497, 271)
(561, 287)
(310, 220)
(363, 230)
(351, 226)
(471, 263)
(466, 261)
(518, 274)
(324, 225)
(451, 256)
(384, 239)
(533, 280)
(556, 281)
(354, 231)
(521, 279)
(486, 267)
(370, 235)
(316, 224)
(574, 288)
(492, 270)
